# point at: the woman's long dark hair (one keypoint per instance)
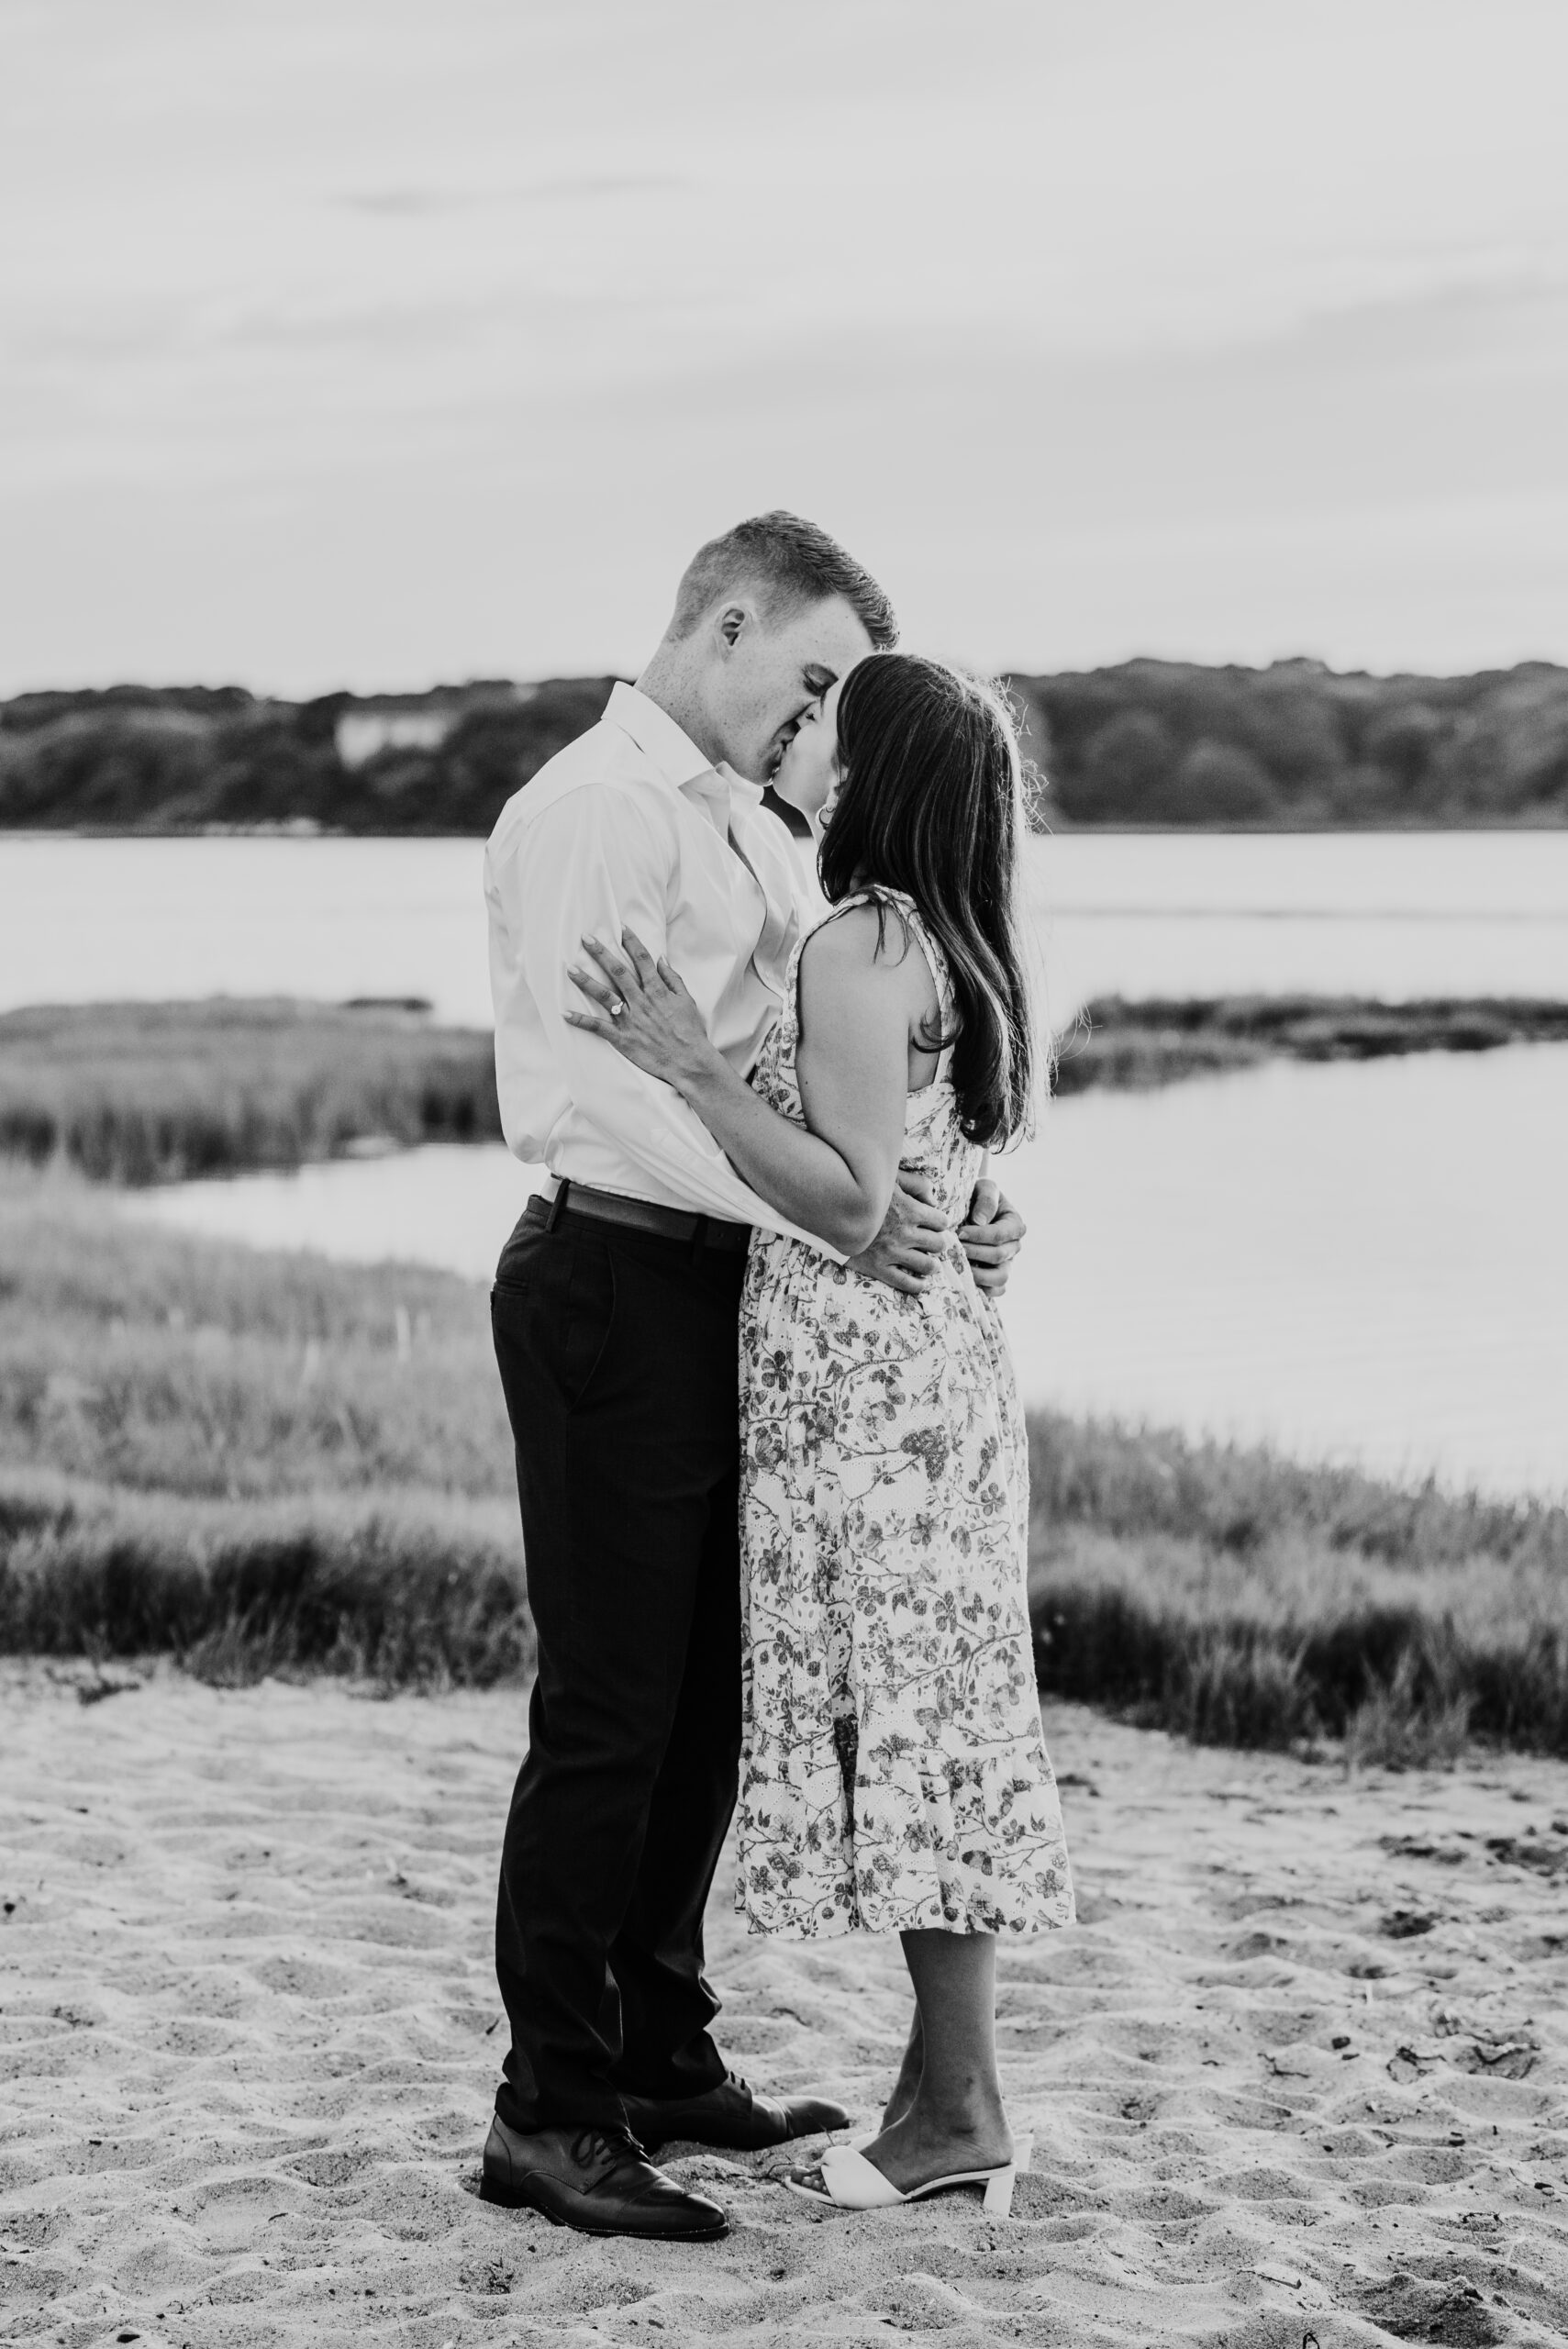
(932, 804)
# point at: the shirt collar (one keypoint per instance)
(672, 751)
(656, 734)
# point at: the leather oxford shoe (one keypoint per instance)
(599, 2180)
(732, 2115)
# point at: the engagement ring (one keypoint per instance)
(616, 1008)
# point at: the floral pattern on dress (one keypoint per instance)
(894, 1773)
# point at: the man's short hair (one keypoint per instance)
(793, 564)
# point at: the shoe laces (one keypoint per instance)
(617, 2146)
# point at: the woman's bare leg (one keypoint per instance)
(956, 2121)
(907, 2086)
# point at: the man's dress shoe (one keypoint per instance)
(599, 2180)
(731, 2115)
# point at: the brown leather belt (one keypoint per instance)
(635, 1215)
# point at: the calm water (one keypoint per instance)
(1354, 1261)
(85, 920)
(1367, 1263)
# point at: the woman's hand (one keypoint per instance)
(645, 1011)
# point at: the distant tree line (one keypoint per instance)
(1165, 742)
(180, 758)
(1151, 742)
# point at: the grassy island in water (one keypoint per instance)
(150, 1093)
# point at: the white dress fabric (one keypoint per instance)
(894, 1774)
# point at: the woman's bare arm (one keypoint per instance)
(861, 998)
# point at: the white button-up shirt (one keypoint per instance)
(630, 828)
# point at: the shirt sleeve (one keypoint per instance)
(593, 865)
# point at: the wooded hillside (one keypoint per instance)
(1164, 742)
(1152, 743)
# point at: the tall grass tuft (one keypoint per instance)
(1404, 1726)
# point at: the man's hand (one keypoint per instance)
(992, 1237)
(906, 1251)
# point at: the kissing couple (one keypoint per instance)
(770, 1456)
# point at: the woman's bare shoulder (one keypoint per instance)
(851, 939)
(867, 946)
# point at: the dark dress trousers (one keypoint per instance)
(617, 1352)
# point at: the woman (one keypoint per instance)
(895, 1775)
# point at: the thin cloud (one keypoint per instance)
(397, 203)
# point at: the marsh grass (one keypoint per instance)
(412, 1590)
(1133, 1046)
(151, 1092)
(272, 1463)
(1242, 1599)
(137, 1358)
(251, 1462)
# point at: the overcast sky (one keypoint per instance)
(378, 341)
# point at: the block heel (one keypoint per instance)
(999, 2191)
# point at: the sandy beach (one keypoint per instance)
(1299, 2076)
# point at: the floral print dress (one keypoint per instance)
(894, 1774)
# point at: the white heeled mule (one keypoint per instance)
(852, 2183)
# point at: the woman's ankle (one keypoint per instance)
(980, 2120)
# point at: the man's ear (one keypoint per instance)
(732, 623)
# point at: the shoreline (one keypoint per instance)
(309, 828)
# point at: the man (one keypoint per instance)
(615, 1314)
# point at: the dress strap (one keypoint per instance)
(847, 905)
(936, 960)
(937, 963)
(844, 905)
(909, 913)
